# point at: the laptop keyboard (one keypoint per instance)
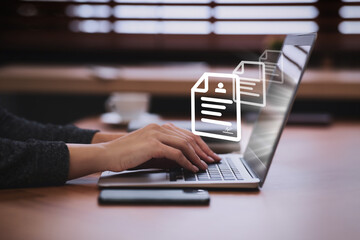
(222, 171)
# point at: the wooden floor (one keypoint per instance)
(312, 192)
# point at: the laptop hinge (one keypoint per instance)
(252, 174)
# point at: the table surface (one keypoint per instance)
(312, 192)
(168, 79)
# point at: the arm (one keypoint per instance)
(152, 146)
(42, 163)
(16, 128)
(33, 163)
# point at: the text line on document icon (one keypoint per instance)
(211, 113)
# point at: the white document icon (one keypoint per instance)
(274, 61)
(252, 83)
(214, 100)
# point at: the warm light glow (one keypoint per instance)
(265, 1)
(143, 27)
(350, 12)
(154, 13)
(266, 12)
(160, 27)
(84, 1)
(89, 11)
(348, 27)
(169, 12)
(91, 26)
(274, 27)
(163, 1)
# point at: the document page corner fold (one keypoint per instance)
(204, 78)
(239, 68)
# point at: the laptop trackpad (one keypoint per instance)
(137, 176)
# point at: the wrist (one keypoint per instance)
(114, 156)
(98, 159)
(85, 159)
(101, 137)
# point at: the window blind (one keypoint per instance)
(198, 17)
(350, 14)
(211, 25)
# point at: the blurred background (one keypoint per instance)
(61, 59)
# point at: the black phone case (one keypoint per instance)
(154, 196)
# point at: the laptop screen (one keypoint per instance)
(280, 96)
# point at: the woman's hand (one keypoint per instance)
(160, 144)
(152, 146)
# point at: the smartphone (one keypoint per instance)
(154, 196)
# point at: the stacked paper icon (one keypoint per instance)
(252, 83)
(274, 61)
(215, 95)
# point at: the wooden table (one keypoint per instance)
(312, 192)
(176, 79)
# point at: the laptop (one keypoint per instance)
(247, 170)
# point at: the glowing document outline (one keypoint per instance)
(210, 100)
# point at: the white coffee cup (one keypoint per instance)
(128, 105)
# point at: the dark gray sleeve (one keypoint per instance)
(16, 128)
(33, 163)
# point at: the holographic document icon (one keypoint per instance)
(274, 61)
(252, 86)
(213, 95)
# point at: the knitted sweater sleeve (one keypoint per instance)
(16, 128)
(34, 154)
(33, 163)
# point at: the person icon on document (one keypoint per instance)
(220, 88)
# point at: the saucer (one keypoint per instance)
(111, 118)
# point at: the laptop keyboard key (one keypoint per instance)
(229, 178)
(239, 177)
(172, 175)
(190, 179)
(215, 179)
(216, 172)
